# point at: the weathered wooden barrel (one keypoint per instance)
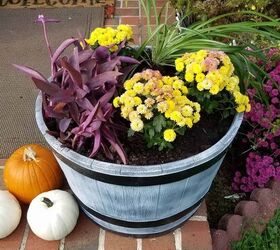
(139, 200)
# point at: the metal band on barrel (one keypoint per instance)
(145, 224)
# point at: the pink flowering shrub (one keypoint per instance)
(263, 162)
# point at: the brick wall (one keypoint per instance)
(129, 12)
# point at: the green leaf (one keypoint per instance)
(181, 131)
(159, 123)
(130, 132)
(151, 133)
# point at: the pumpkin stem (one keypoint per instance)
(29, 154)
(47, 201)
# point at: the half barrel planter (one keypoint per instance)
(139, 200)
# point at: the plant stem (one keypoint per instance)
(46, 39)
(48, 46)
(47, 201)
(29, 154)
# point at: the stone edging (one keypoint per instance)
(254, 213)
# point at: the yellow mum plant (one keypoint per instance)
(110, 37)
(211, 79)
(158, 106)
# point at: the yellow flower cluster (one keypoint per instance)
(212, 71)
(148, 93)
(109, 36)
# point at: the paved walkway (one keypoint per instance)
(192, 235)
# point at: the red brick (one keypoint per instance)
(132, 20)
(275, 186)
(160, 4)
(35, 243)
(249, 209)
(2, 162)
(171, 19)
(171, 11)
(13, 241)
(127, 12)
(202, 210)
(196, 236)
(220, 240)
(233, 225)
(137, 39)
(262, 195)
(166, 242)
(2, 186)
(114, 241)
(84, 236)
(112, 21)
(130, 4)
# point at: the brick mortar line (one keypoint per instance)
(140, 15)
(101, 239)
(128, 8)
(139, 244)
(178, 239)
(198, 218)
(61, 244)
(121, 16)
(25, 236)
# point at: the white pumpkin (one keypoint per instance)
(10, 213)
(52, 215)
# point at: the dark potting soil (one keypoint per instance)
(209, 130)
(201, 136)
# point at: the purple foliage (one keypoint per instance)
(78, 96)
(264, 163)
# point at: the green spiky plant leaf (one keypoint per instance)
(169, 41)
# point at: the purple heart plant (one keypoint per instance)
(77, 97)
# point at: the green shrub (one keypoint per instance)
(269, 240)
(205, 9)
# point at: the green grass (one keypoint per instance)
(268, 240)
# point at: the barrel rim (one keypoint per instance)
(137, 170)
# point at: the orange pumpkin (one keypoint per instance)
(31, 170)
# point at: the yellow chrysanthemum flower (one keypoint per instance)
(196, 117)
(196, 68)
(142, 109)
(187, 111)
(129, 101)
(169, 135)
(138, 87)
(149, 115)
(214, 89)
(149, 102)
(189, 77)
(179, 64)
(188, 122)
(133, 115)
(137, 100)
(184, 90)
(136, 125)
(116, 102)
(176, 116)
(199, 77)
(162, 107)
(240, 108)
